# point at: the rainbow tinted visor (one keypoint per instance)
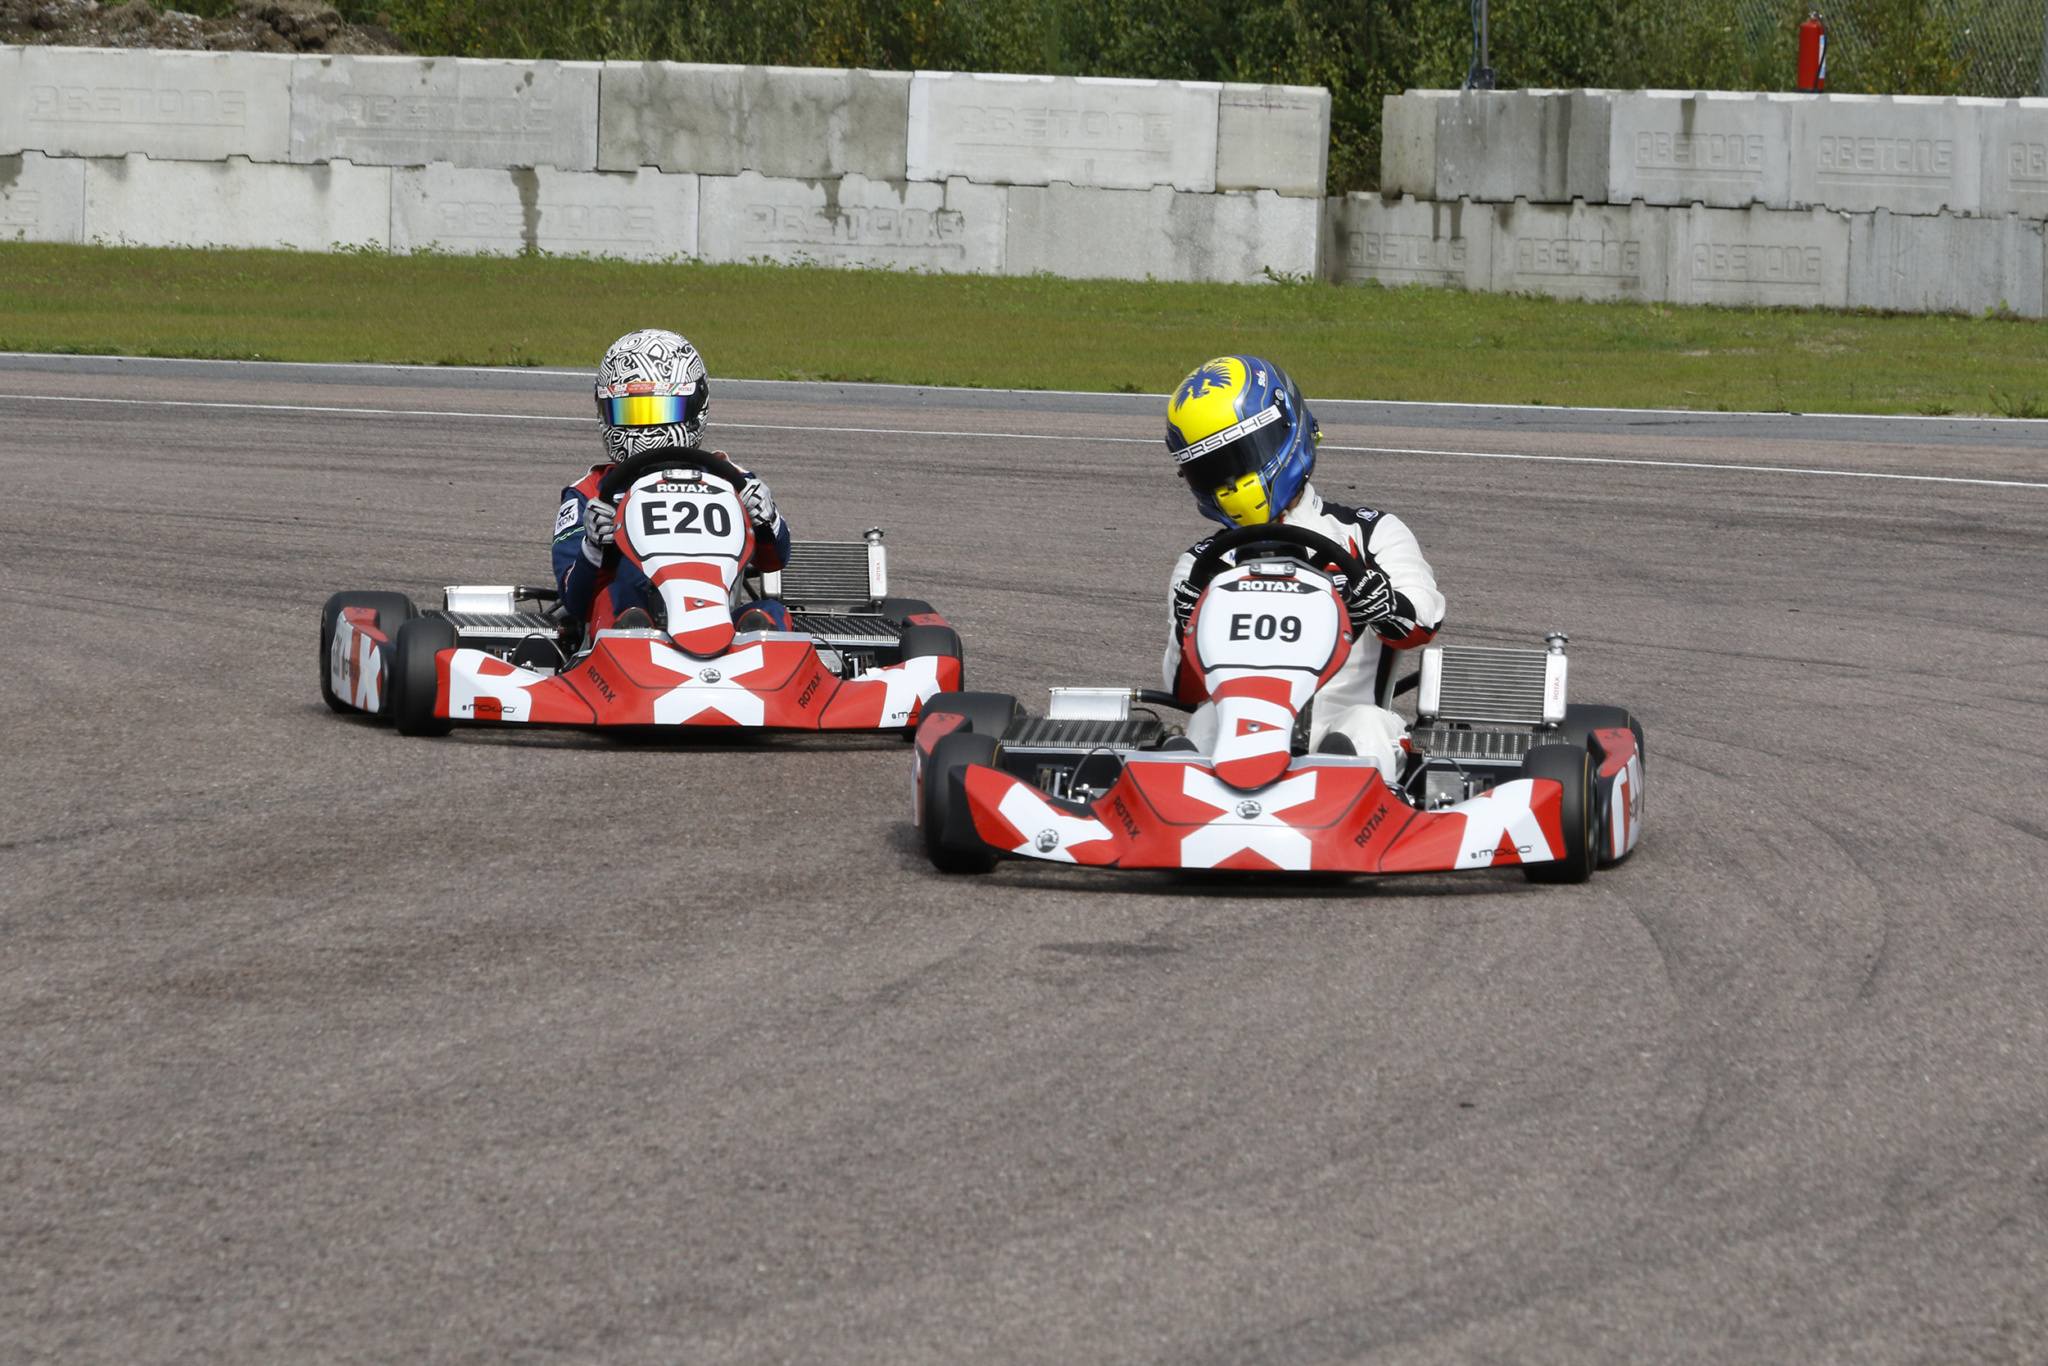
(643, 410)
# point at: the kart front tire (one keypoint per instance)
(950, 840)
(1571, 766)
(393, 611)
(416, 676)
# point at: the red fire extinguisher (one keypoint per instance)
(1813, 53)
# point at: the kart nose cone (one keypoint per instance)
(1253, 736)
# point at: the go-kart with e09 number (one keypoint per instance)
(1499, 769)
(854, 658)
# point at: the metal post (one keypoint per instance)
(1480, 74)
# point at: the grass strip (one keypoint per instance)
(1038, 332)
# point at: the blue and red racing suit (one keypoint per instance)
(596, 594)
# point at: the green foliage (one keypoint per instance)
(1362, 50)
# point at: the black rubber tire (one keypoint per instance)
(1581, 719)
(393, 611)
(899, 611)
(952, 850)
(920, 642)
(415, 677)
(1571, 766)
(987, 713)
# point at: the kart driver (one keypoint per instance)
(1245, 443)
(652, 394)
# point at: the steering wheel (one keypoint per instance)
(622, 475)
(1274, 536)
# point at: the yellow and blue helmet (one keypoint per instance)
(1243, 438)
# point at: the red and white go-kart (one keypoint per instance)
(854, 658)
(1498, 769)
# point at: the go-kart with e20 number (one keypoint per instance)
(854, 658)
(1498, 770)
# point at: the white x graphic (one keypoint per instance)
(1230, 832)
(697, 694)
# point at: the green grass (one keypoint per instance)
(772, 322)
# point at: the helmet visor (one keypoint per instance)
(1227, 471)
(643, 410)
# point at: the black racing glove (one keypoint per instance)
(1185, 596)
(1369, 599)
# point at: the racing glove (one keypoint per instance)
(760, 502)
(600, 525)
(1369, 599)
(1185, 596)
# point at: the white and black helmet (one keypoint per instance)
(652, 393)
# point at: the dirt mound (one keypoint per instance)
(256, 26)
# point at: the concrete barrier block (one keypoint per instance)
(1586, 251)
(1943, 263)
(2015, 159)
(97, 102)
(640, 215)
(1724, 150)
(854, 221)
(1084, 131)
(1408, 241)
(1273, 137)
(42, 199)
(1907, 153)
(1086, 233)
(1545, 146)
(1408, 143)
(787, 122)
(235, 203)
(413, 111)
(1759, 257)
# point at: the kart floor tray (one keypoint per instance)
(1447, 742)
(498, 625)
(1045, 732)
(845, 628)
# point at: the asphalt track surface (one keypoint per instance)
(322, 1044)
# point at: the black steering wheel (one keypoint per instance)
(622, 475)
(1274, 536)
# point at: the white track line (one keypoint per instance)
(1041, 436)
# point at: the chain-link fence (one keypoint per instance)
(1958, 47)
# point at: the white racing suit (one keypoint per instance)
(1346, 703)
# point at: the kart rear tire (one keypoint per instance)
(416, 676)
(899, 611)
(921, 642)
(1581, 719)
(953, 850)
(987, 713)
(1572, 767)
(393, 611)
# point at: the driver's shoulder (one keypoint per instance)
(1347, 516)
(587, 485)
